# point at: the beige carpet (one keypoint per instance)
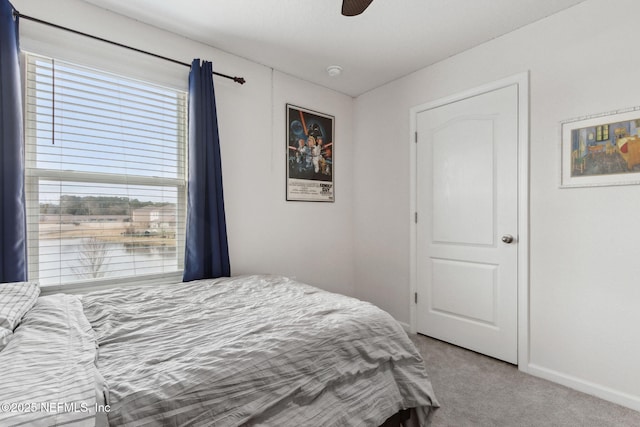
(475, 390)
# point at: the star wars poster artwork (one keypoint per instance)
(310, 155)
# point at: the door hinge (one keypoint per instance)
(415, 217)
(415, 137)
(415, 297)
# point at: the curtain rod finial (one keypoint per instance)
(240, 80)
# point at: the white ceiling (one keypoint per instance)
(392, 38)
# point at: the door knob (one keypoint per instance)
(507, 238)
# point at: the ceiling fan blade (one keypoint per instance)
(354, 7)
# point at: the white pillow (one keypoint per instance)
(15, 300)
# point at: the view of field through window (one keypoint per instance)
(105, 174)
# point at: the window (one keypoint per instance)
(105, 175)
(602, 133)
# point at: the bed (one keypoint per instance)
(251, 350)
(629, 149)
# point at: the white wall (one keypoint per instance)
(316, 239)
(311, 241)
(584, 243)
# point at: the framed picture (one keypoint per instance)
(310, 155)
(603, 149)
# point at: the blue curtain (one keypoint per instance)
(207, 250)
(13, 243)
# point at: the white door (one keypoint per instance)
(467, 205)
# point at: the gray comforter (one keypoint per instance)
(255, 350)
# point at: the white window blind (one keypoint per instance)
(105, 174)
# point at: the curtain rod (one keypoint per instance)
(240, 80)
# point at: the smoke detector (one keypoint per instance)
(334, 70)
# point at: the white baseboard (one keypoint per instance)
(606, 393)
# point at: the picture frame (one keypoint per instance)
(601, 149)
(310, 155)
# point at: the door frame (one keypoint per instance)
(522, 82)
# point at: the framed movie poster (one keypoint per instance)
(310, 155)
